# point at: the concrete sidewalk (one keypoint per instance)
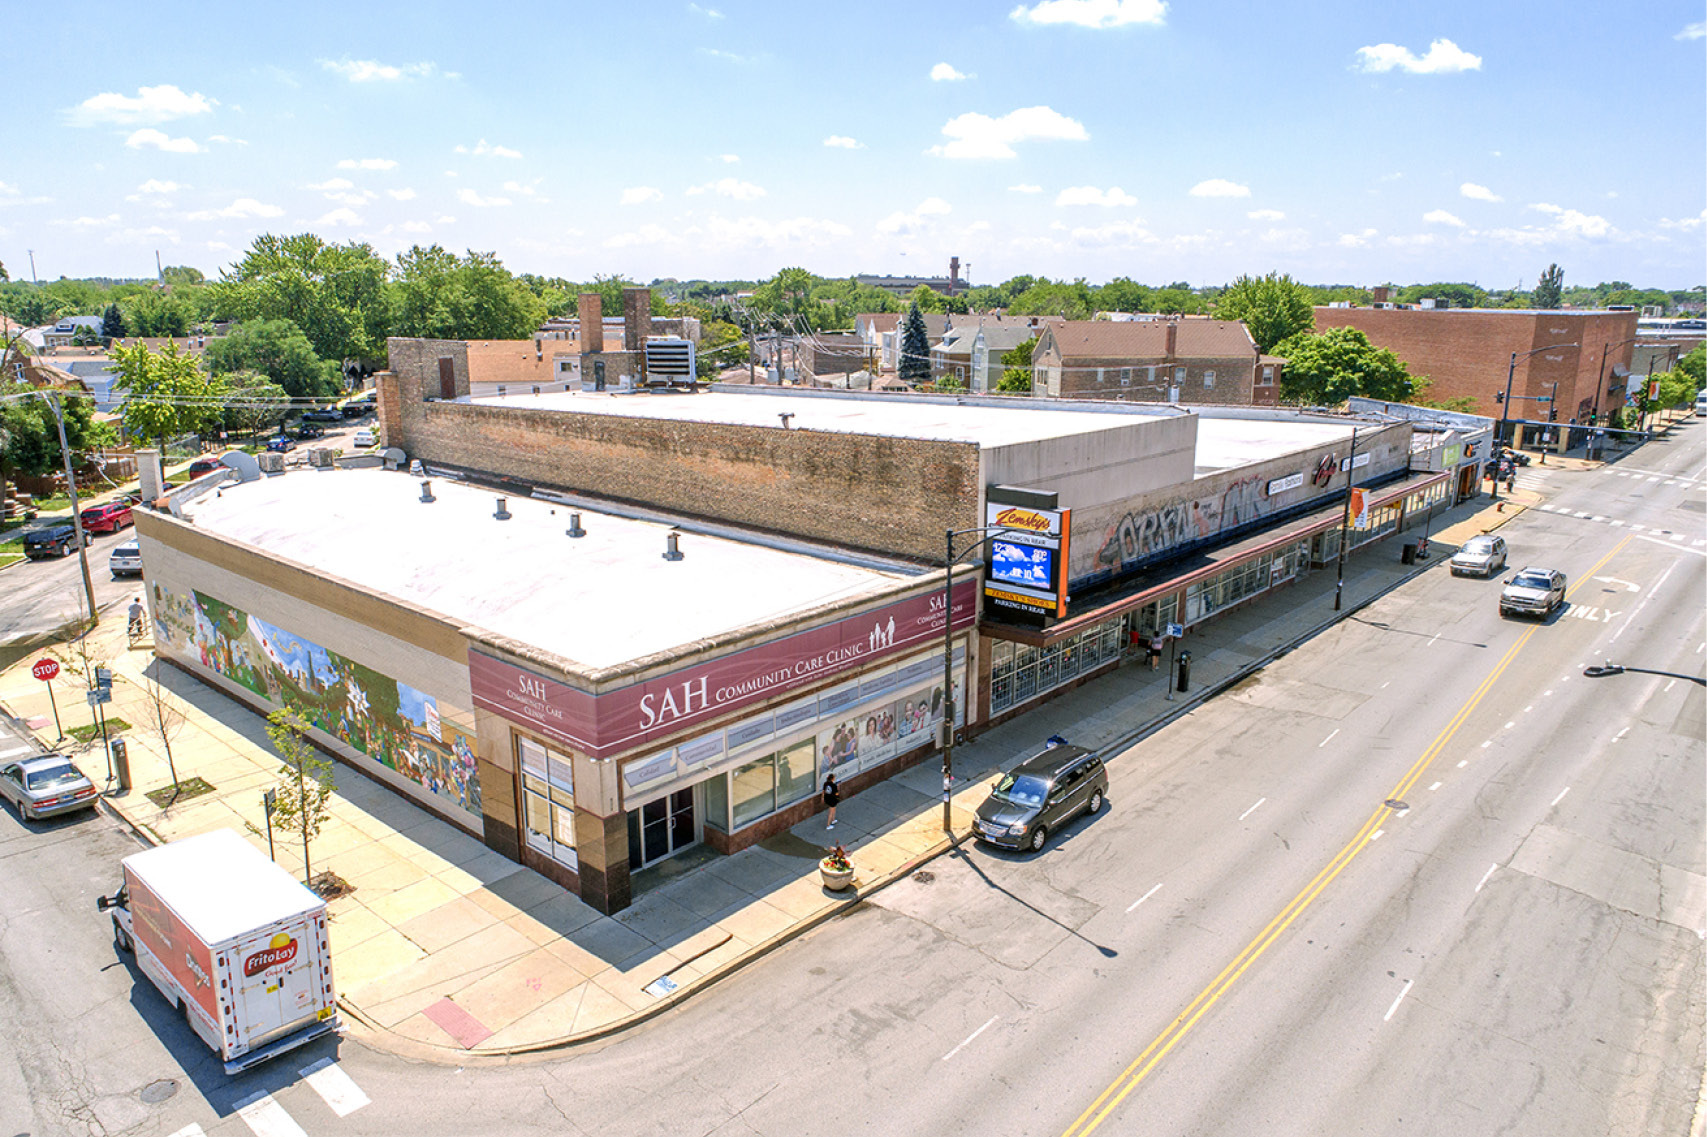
(446, 950)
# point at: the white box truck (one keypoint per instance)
(232, 940)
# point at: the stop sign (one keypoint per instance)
(44, 669)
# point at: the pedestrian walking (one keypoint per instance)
(1155, 652)
(135, 611)
(832, 795)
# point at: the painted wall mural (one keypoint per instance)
(1139, 535)
(390, 722)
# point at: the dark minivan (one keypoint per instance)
(1042, 794)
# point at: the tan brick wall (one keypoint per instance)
(1083, 377)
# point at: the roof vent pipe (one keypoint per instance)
(785, 416)
(672, 547)
(502, 513)
(427, 491)
(575, 529)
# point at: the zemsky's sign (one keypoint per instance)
(1026, 574)
(615, 721)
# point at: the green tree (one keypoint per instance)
(29, 436)
(165, 393)
(253, 402)
(182, 275)
(303, 791)
(721, 345)
(1122, 295)
(334, 293)
(157, 314)
(1549, 288)
(915, 364)
(1327, 368)
(1694, 365)
(1016, 368)
(1456, 295)
(278, 350)
(32, 306)
(927, 299)
(437, 295)
(1273, 308)
(1176, 300)
(112, 322)
(1055, 298)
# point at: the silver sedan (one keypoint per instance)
(46, 786)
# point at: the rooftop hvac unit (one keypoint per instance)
(670, 363)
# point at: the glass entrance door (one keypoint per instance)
(661, 828)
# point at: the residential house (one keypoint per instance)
(970, 353)
(1186, 360)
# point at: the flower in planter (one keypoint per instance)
(836, 860)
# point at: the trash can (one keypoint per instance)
(121, 762)
(1408, 554)
(1184, 670)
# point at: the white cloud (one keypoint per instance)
(241, 208)
(1441, 217)
(482, 149)
(718, 53)
(1443, 58)
(415, 227)
(90, 222)
(227, 140)
(155, 185)
(339, 217)
(974, 135)
(1092, 13)
(1686, 223)
(1356, 240)
(1266, 215)
(373, 71)
(1572, 222)
(404, 194)
(1293, 238)
(531, 189)
(1091, 195)
(1415, 240)
(946, 73)
(1025, 188)
(730, 159)
(708, 13)
(843, 142)
(331, 185)
(1692, 31)
(1478, 193)
(730, 187)
(1220, 187)
(367, 164)
(149, 137)
(150, 104)
(469, 197)
(649, 234)
(153, 234)
(903, 222)
(635, 195)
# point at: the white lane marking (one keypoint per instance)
(1431, 642)
(1403, 991)
(969, 1038)
(1252, 809)
(190, 1130)
(267, 1118)
(1561, 796)
(1652, 592)
(1436, 786)
(1616, 523)
(1668, 686)
(1486, 875)
(1376, 836)
(335, 1086)
(1674, 545)
(1529, 708)
(1509, 725)
(1547, 694)
(1142, 898)
(1487, 744)
(1619, 737)
(1464, 763)
(1383, 686)
(1328, 739)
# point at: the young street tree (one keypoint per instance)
(1327, 368)
(915, 364)
(1550, 287)
(1273, 308)
(302, 796)
(163, 717)
(166, 393)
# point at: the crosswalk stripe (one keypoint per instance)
(267, 1118)
(190, 1130)
(333, 1084)
(15, 751)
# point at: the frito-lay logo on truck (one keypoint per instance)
(1016, 518)
(280, 950)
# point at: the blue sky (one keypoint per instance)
(1189, 140)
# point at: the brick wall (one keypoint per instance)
(1101, 378)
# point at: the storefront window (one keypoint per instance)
(796, 774)
(753, 788)
(548, 799)
(1019, 673)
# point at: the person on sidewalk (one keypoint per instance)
(1155, 652)
(832, 795)
(135, 612)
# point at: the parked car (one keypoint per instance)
(364, 437)
(46, 786)
(1533, 592)
(126, 559)
(108, 517)
(52, 541)
(282, 443)
(323, 414)
(1040, 795)
(1480, 556)
(356, 407)
(310, 430)
(202, 467)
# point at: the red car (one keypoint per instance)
(108, 518)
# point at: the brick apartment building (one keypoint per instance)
(1466, 353)
(1195, 361)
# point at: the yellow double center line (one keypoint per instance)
(1129, 1078)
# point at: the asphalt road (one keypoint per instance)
(1248, 940)
(41, 597)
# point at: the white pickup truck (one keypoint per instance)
(232, 940)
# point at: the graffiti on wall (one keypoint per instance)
(1141, 534)
(387, 721)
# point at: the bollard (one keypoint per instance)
(1184, 671)
(121, 763)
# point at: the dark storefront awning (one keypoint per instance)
(1106, 602)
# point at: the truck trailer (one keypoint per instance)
(232, 940)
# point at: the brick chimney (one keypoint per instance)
(636, 318)
(592, 314)
(953, 275)
(1172, 342)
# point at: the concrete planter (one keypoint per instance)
(835, 880)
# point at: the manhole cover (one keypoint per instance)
(924, 876)
(1395, 805)
(156, 1092)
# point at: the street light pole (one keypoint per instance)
(1345, 521)
(990, 533)
(1505, 403)
(76, 514)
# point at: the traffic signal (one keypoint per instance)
(1552, 413)
(1499, 397)
(1594, 418)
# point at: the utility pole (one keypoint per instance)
(33, 279)
(1345, 521)
(76, 514)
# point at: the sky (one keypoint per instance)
(1162, 140)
